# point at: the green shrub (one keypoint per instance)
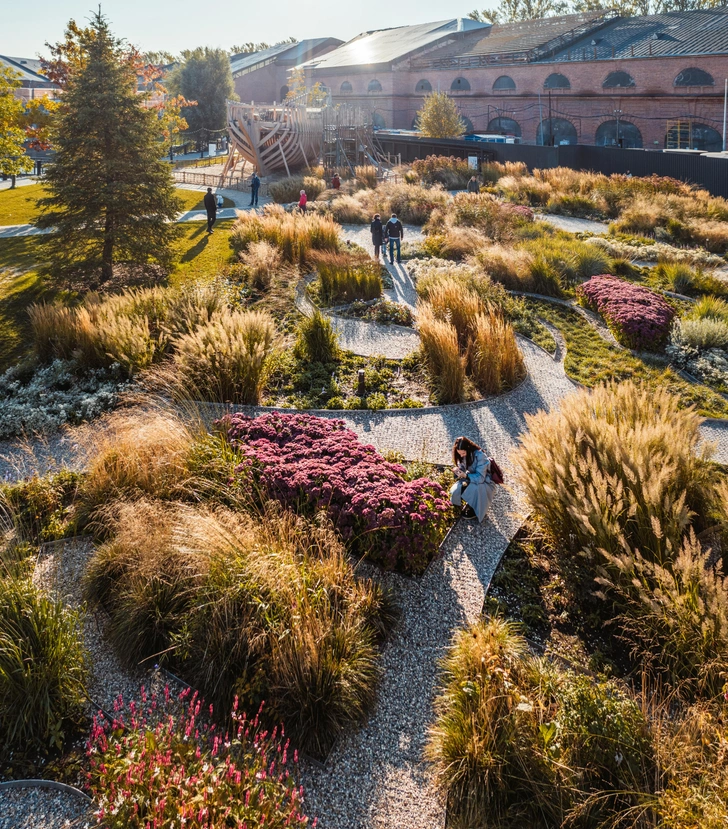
(225, 360)
(43, 668)
(41, 508)
(317, 341)
(709, 307)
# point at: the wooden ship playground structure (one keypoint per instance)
(284, 137)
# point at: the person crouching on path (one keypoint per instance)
(210, 203)
(377, 233)
(303, 201)
(473, 484)
(395, 231)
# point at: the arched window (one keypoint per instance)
(504, 82)
(697, 137)
(618, 134)
(554, 132)
(345, 88)
(423, 86)
(374, 86)
(460, 85)
(469, 128)
(504, 126)
(618, 79)
(378, 120)
(556, 81)
(284, 92)
(694, 77)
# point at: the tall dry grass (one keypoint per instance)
(496, 363)
(411, 202)
(225, 360)
(255, 607)
(344, 278)
(441, 350)
(612, 464)
(287, 190)
(450, 301)
(317, 340)
(262, 261)
(294, 235)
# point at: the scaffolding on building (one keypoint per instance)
(679, 134)
(349, 140)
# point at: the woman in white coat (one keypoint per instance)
(474, 485)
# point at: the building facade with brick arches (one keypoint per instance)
(594, 78)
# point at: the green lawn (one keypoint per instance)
(17, 207)
(201, 256)
(591, 360)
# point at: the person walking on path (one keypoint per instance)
(210, 203)
(303, 201)
(474, 484)
(336, 182)
(473, 186)
(254, 187)
(395, 231)
(377, 234)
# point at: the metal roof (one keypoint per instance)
(699, 32)
(294, 53)
(27, 68)
(386, 45)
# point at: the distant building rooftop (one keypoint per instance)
(27, 68)
(387, 45)
(699, 32)
(288, 54)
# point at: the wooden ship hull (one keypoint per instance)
(274, 137)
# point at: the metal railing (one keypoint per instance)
(228, 182)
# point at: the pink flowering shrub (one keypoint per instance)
(154, 768)
(638, 317)
(311, 463)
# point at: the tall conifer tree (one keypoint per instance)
(111, 197)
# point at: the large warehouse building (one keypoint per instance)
(592, 78)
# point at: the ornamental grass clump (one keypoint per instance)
(43, 669)
(453, 173)
(344, 278)
(638, 318)
(441, 350)
(411, 202)
(496, 363)
(162, 763)
(241, 605)
(294, 235)
(317, 340)
(517, 742)
(315, 464)
(287, 190)
(225, 360)
(262, 261)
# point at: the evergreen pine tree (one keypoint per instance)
(111, 198)
(439, 117)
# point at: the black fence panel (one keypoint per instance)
(708, 173)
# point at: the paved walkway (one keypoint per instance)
(574, 225)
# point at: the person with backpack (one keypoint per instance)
(474, 479)
(254, 187)
(377, 234)
(395, 232)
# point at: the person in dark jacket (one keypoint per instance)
(377, 232)
(211, 207)
(395, 231)
(254, 187)
(473, 186)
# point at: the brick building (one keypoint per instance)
(32, 83)
(592, 78)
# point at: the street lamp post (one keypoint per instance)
(617, 113)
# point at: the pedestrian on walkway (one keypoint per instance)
(211, 207)
(473, 482)
(395, 231)
(303, 201)
(336, 182)
(473, 186)
(377, 234)
(254, 187)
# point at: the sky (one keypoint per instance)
(173, 25)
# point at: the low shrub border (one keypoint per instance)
(318, 464)
(638, 317)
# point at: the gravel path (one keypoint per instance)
(574, 225)
(42, 809)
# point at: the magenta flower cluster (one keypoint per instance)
(312, 464)
(638, 318)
